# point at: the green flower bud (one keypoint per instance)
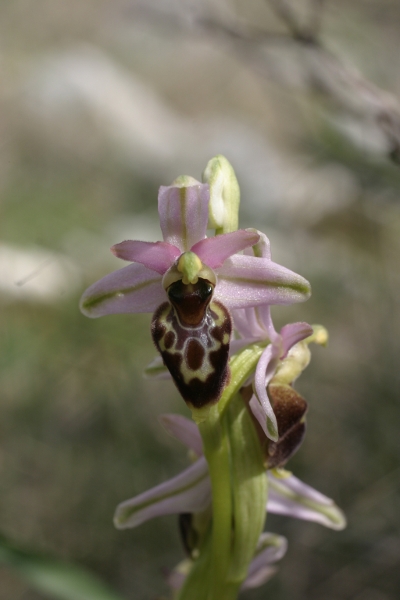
(224, 195)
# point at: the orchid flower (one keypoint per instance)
(270, 549)
(242, 281)
(190, 491)
(191, 281)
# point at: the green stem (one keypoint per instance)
(217, 451)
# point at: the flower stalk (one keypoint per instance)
(218, 455)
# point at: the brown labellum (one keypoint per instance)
(290, 409)
(192, 334)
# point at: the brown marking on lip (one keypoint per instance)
(218, 333)
(194, 354)
(157, 328)
(169, 339)
(173, 362)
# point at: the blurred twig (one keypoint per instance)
(308, 33)
(285, 11)
(323, 71)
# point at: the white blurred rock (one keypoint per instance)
(35, 274)
(155, 140)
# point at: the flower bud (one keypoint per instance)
(224, 195)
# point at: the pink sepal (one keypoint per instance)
(245, 281)
(132, 289)
(183, 214)
(190, 491)
(291, 497)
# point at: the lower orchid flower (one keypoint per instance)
(189, 493)
(269, 550)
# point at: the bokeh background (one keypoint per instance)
(100, 103)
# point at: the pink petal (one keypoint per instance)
(214, 251)
(265, 370)
(183, 214)
(291, 497)
(184, 430)
(245, 281)
(158, 256)
(259, 413)
(188, 492)
(133, 289)
(293, 333)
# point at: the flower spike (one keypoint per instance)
(248, 420)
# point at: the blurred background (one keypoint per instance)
(100, 103)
